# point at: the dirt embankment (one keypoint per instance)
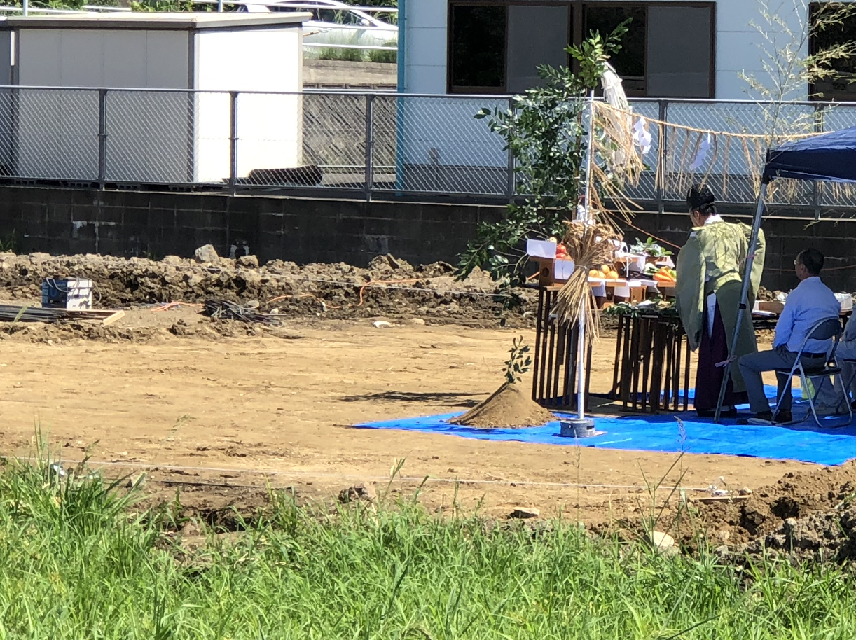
(387, 288)
(808, 515)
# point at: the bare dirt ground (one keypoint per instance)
(276, 408)
(214, 413)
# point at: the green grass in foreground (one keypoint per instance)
(75, 564)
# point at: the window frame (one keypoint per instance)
(461, 89)
(575, 36)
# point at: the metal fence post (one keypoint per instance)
(816, 188)
(102, 137)
(369, 146)
(511, 178)
(233, 141)
(660, 178)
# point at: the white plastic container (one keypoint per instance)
(563, 269)
(67, 294)
(846, 301)
(541, 248)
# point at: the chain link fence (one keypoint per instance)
(356, 144)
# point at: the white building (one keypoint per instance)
(674, 49)
(179, 133)
(459, 56)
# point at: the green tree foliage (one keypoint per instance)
(544, 131)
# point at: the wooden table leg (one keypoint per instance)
(627, 361)
(545, 328)
(551, 340)
(668, 334)
(635, 346)
(539, 337)
(645, 364)
(657, 349)
(614, 393)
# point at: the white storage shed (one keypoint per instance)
(153, 100)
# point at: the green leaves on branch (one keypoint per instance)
(545, 135)
(519, 361)
(593, 54)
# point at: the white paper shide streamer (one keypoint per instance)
(703, 149)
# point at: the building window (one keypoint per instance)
(840, 87)
(629, 61)
(497, 45)
(478, 47)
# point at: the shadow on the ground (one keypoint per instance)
(446, 399)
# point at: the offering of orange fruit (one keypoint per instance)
(606, 272)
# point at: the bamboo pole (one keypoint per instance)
(581, 339)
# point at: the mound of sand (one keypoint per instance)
(509, 407)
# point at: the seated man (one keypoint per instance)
(809, 303)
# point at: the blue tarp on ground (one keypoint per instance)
(804, 442)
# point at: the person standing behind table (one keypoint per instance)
(710, 282)
(811, 302)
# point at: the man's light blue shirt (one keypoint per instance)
(806, 305)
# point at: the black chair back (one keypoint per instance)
(826, 329)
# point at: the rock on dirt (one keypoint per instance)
(248, 262)
(136, 480)
(524, 513)
(664, 543)
(207, 254)
(357, 493)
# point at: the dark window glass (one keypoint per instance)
(536, 35)
(841, 86)
(478, 46)
(668, 50)
(679, 51)
(629, 62)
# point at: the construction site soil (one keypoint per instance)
(223, 411)
(389, 287)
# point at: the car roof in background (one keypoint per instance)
(308, 5)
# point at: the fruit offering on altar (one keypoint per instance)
(606, 272)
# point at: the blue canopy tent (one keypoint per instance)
(828, 157)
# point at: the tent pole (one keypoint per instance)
(744, 294)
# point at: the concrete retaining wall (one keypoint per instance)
(304, 230)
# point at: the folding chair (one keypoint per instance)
(826, 329)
